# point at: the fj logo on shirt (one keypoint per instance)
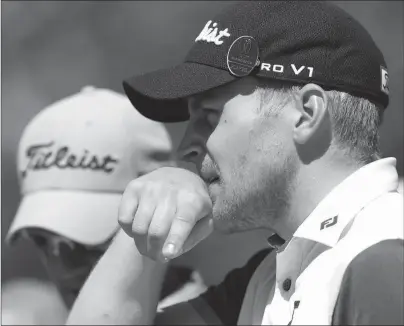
(211, 34)
(45, 156)
(329, 222)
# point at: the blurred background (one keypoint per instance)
(51, 49)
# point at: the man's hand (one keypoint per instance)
(167, 212)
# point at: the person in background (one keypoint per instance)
(31, 302)
(75, 159)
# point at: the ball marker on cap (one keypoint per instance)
(242, 56)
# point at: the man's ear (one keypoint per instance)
(312, 103)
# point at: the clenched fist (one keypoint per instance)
(167, 212)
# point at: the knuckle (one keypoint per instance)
(139, 229)
(189, 219)
(133, 185)
(144, 211)
(156, 232)
(141, 186)
(161, 188)
(153, 190)
(193, 200)
(124, 220)
(124, 217)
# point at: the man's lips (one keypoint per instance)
(210, 179)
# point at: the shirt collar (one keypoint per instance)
(329, 219)
(276, 242)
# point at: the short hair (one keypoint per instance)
(355, 120)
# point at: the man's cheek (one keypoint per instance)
(227, 141)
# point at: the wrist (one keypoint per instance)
(126, 248)
(153, 266)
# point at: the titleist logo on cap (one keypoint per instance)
(212, 34)
(46, 156)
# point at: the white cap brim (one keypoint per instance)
(88, 218)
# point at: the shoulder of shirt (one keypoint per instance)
(378, 258)
(377, 232)
(362, 257)
(380, 219)
(371, 289)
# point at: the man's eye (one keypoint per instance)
(212, 118)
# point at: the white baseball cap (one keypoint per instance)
(75, 159)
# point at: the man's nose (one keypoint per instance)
(192, 148)
(190, 152)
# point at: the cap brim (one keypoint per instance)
(161, 95)
(84, 217)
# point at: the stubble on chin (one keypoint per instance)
(256, 202)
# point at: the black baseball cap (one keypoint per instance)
(295, 41)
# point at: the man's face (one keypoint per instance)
(68, 263)
(247, 160)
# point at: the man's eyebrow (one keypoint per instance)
(202, 104)
(203, 109)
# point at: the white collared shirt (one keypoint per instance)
(314, 270)
(343, 266)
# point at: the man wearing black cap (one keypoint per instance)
(284, 100)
